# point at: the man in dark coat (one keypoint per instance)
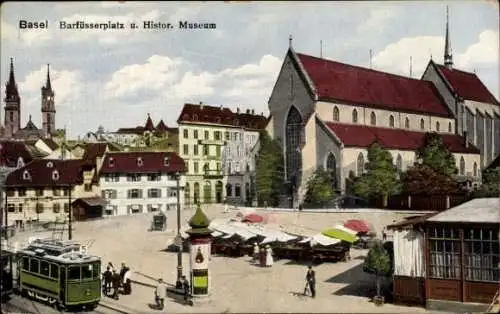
(311, 281)
(116, 280)
(107, 276)
(187, 288)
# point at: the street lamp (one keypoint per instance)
(70, 215)
(178, 283)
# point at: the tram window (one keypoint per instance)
(96, 270)
(44, 268)
(87, 271)
(26, 263)
(74, 273)
(34, 265)
(54, 271)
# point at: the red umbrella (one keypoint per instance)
(358, 225)
(253, 218)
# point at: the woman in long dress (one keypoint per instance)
(269, 256)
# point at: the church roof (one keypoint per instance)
(40, 173)
(335, 81)
(11, 91)
(355, 135)
(10, 151)
(30, 126)
(467, 85)
(149, 124)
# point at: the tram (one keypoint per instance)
(7, 260)
(59, 273)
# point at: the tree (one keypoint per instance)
(381, 178)
(270, 171)
(491, 184)
(423, 180)
(319, 188)
(437, 156)
(378, 261)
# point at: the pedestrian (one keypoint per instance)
(311, 281)
(127, 283)
(384, 235)
(269, 256)
(107, 276)
(255, 252)
(111, 267)
(161, 293)
(187, 288)
(116, 284)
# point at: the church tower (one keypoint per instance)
(12, 100)
(48, 108)
(448, 56)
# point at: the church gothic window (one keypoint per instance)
(462, 166)
(331, 168)
(475, 169)
(391, 121)
(373, 119)
(407, 123)
(336, 114)
(422, 124)
(399, 163)
(293, 144)
(354, 116)
(361, 164)
(437, 126)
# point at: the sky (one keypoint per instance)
(114, 78)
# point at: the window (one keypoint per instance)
(154, 193)
(56, 192)
(39, 208)
(134, 193)
(195, 134)
(205, 168)
(109, 194)
(11, 208)
(139, 162)
(111, 162)
(444, 249)
(134, 177)
(55, 175)
(87, 187)
(373, 118)
(228, 136)
(195, 167)
(56, 208)
(217, 166)
(44, 268)
(39, 192)
(26, 263)
(187, 193)
(217, 151)
(229, 190)
(422, 124)
(26, 175)
(354, 116)
(399, 163)
(217, 135)
(96, 270)
(185, 149)
(166, 161)
(66, 207)
(391, 121)
(54, 271)
(449, 127)
(172, 192)
(74, 273)
(195, 150)
(361, 164)
(237, 190)
(20, 208)
(195, 117)
(407, 123)
(437, 126)
(11, 192)
(207, 135)
(475, 169)
(154, 177)
(185, 133)
(34, 264)
(293, 142)
(462, 166)
(65, 192)
(207, 192)
(481, 255)
(21, 192)
(87, 271)
(336, 114)
(205, 150)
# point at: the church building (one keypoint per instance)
(326, 114)
(12, 118)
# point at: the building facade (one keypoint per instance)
(141, 182)
(327, 114)
(204, 132)
(12, 117)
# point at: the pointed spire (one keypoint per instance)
(448, 57)
(149, 124)
(48, 86)
(411, 66)
(11, 86)
(290, 41)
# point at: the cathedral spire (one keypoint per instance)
(448, 56)
(11, 86)
(48, 85)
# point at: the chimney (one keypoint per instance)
(248, 111)
(466, 139)
(253, 111)
(262, 113)
(201, 104)
(221, 108)
(237, 110)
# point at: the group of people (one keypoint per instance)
(263, 255)
(161, 292)
(116, 280)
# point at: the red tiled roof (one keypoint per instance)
(152, 162)
(94, 150)
(361, 86)
(149, 124)
(10, 151)
(51, 143)
(467, 85)
(220, 115)
(161, 126)
(355, 135)
(41, 174)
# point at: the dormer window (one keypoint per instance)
(55, 175)
(50, 164)
(166, 161)
(20, 162)
(236, 122)
(195, 117)
(26, 175)
(217, 120)
(111, 162)
(139, 161)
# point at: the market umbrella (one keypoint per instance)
(342, 233)
(358, 225)
(253, 218)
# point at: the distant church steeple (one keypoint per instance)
(12, 117)
(48, 107)
(448, 56)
